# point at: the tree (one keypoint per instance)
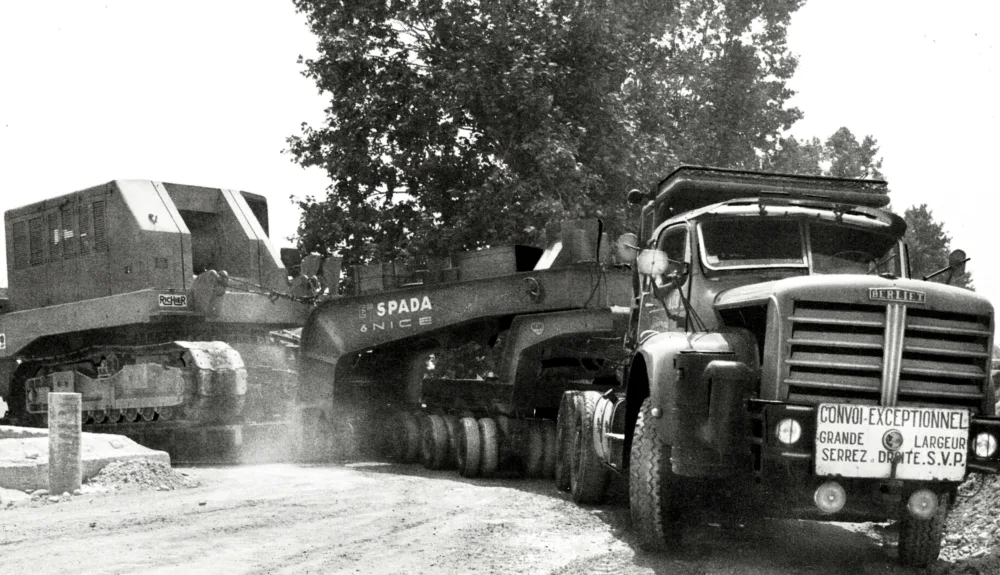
(841, 156)
(929, 246)
(454, 125)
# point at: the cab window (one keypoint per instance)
(674, 243)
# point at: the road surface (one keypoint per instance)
(382, 518)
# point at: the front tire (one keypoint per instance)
(920, 539)
(652, 489)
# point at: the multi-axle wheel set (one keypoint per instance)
(475, 447)
(492, 446)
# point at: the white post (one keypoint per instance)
(65, 461)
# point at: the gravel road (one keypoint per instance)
(381, 518)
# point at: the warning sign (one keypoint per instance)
(891, 442)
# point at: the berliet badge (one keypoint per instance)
(896, 295)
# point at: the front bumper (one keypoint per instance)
(785, 477)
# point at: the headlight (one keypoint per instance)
(985, 446)
(789, 431)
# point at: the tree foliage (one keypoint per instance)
(459, 124)
(929, 246)
(841, 156)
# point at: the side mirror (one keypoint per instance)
(956, 262)
(627, 248)
(956, 266)
(652, 262)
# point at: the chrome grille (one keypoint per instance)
(837, 352)
(945, 357)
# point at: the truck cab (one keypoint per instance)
(782, 359)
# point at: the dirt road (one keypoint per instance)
(379, 518)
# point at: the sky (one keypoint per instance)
(206, 92)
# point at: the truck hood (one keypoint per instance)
(856, 289)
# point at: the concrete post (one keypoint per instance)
(65, 462)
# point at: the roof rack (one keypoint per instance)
(691, 187)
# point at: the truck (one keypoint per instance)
(379, 372)
(158, 303)
(782, 361)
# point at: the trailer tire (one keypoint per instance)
(534, 453)
(549, 460)
(451, 424)
(920, 539)
(588, 477)
(491, 447)
(406, 447)
(652, 489)
(564, 437)
(434, 443)
(469, 447)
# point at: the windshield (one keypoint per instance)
(843, 250)
(753, 242)
(765, 242)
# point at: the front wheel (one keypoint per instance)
(920, 539)
(652, 486)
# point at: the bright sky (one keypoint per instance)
(205, 93)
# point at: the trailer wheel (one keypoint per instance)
(491, 447)
(920, 539)
(406, 444)
(434, 444)
(451, 424)
(469, 447)
(588, 478)
(505, 444)
(549, 460)
(568, 406)
(652, 489)
(534, 454)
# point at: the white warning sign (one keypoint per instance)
(891, 442)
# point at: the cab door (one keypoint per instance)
(661, 307)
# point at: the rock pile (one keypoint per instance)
(142, 474)
(972, 540)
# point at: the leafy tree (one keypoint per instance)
(454, 125)
(929, 246)
(841, 155)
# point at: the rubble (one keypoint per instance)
(972, 543)
(141, 475)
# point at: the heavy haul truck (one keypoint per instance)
(554, 319)
(776, 359)
(157, 302)
(781, 360)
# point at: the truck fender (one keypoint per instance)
(660, 363)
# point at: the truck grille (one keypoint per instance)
(838, 352)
